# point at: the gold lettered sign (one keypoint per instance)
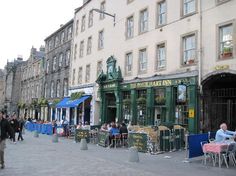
(191, 113)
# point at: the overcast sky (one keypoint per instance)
(26, 23)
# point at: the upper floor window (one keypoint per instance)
(54, 63)
(73, 77)
(226, 41)
(56, 41)
(81, 50)
(75, 51)
(130, 27)
(221, 1)
(69, 32)
(83, 24)
(60, 60)
(101, 40)
(143, 26)
(102, 8)
(67, 60)
(87, 73)
(189, 49)
(189, 6)
(47, 66)
(142, 60)
(161, 56)
(65, 87)
(80, 75)
(45, 90)
(90, 22)
(52, 89)
(58, 89)
(89, 45)
(77, 27)
(161, 13)
(99, 67)
(128, 63)
(62, 37)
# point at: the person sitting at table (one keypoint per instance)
(79, 126)
(223, 133)
(104, 127)
(113, 132)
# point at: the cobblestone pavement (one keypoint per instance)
(41, 157)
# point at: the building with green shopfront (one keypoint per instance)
(149, 101)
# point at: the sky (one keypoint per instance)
(26, 23)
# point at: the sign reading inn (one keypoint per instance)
(166, 99)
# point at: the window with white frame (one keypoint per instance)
(52, 89)
(161, 56)
(69, 32)
(130, 27)
(77, 27)
(83, 24)
(90, 20)
(62, 37)
(73, 77)
(143, 26)
(189, 49)
(81, 49)
(58, 88)
(128, 62)
(87, 73)
(60, 60)
(189, 6)
(65, 87)
(102, 8)
(75, 51)
(161, 13)
(89, 45)
(226, 41)
(80, 75)
(101, 39)
(54, 63)
(142, 60)
(67, 61)
(99, 67)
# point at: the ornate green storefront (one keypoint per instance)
(166, 100)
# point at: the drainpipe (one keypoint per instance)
(200, 52)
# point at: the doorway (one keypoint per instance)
(111, 107)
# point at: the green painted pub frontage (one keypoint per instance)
(157, 100)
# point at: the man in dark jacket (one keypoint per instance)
(5, 129)
(15, 126)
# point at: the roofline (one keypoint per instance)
(64, 26)
(79, 8)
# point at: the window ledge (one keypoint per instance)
(188, 15)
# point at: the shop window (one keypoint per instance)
(181, 105)
(126, 106)
(160, 98)
(141, 106)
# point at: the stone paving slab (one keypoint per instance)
(41, 157)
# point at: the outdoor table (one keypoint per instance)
(216, 148)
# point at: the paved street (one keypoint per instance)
(41, 157)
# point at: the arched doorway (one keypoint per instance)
(219, 101)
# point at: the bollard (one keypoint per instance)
(133, 154)
(36, 134)
(54, 138)
(83, 144)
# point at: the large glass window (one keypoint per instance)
(130, 27)
(161, 13)
(189, 49)
(142, 60)
(226, 41)
(161, 56)
(143, 26)
(189, 6)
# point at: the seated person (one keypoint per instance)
(123, 128)
(79, 126)
(86, 126)
(114, 131)
(223, 133)
(104, 127)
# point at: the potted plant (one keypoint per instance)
(126, 101)
(227, 52)
(141, 100)
(190, 61)
(160, 100)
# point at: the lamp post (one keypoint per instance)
(105, 13)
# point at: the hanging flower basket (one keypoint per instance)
(141, 101)
(160, 100)
(126, 102)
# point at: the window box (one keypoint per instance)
(227, 52)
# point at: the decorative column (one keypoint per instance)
(133, 106)
(150, 117)
(118, 105)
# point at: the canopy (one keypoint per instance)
(67, 103)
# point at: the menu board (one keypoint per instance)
(103, 138)
(80, 134)
(138, 140)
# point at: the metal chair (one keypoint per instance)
(229, 153)
(124, 138)
(207, 155)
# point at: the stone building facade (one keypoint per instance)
(2, 89)
(56, 70)
(31, 84)
(163, 54)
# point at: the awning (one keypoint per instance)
(62, 103)
(67, 103)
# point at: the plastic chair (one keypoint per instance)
(207, 155)
(230, 153)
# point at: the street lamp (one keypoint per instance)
(105, 13)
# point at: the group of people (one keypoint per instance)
(8, 127)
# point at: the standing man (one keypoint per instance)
(4, 129)
(20, 129)
(15, 126)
